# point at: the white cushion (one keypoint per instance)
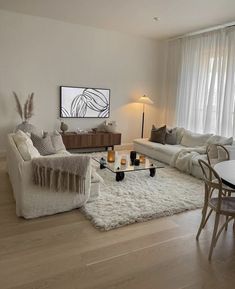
(25, 146)
(216, 139)
(179, 134)
(57, 141)
(190, 139)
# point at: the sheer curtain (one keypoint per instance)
(205, 93)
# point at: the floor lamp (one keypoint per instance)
(145, 100)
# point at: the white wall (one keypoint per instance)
(38, 55)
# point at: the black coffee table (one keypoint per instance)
(120, 170)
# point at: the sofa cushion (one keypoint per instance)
(158, 135)
(171, 136)
(190, 139)
(179, 134)
(25, 146)
(43, 144)
(57, 141)
(216, 139)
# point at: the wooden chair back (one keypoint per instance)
(216, 153)
(213, 183)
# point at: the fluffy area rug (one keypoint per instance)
(139, 197)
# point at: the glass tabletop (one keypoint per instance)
(116, 166)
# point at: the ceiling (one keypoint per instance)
(132, 16)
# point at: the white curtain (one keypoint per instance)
(205, 93)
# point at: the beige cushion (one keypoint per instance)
(190, 139)
(25, 146)
(57, 141)
(179, 134)
(43, 144)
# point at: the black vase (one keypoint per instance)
(132, 157)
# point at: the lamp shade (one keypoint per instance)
(145, 99)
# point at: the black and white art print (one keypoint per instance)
(84, 102)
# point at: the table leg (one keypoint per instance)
(152, 172)
(102, 166)
(120, 176)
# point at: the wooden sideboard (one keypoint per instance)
(73, 140)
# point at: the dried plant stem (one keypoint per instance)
(28, 107)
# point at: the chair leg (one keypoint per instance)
(226, 227)
(202, 224)
(213, 240)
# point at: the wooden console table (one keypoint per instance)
(73, 140)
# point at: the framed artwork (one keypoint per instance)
(84, 102)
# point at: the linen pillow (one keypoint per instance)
(171, 136)
(179, 134)
(43, 144)
(25, 146)
(158, 135)
(190, 139)
(57, 141)
(216, 139)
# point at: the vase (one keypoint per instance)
(64, 127)
(25, 126)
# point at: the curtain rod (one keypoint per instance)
(201, 31)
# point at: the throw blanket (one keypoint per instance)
(183, 160)
(67, 173)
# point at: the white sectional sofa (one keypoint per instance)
(166, 152)
(34, 201)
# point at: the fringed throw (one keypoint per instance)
(66, 173)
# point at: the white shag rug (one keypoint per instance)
(139, 197)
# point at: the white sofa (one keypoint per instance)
(34, 201)
(165, 153)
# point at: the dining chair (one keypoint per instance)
(217, 153)
(215, 200)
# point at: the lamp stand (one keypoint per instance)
(142, 130)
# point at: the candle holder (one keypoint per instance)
(142, 159)
(136, 162)
(111, 156)
(132, 157)
(123, 161)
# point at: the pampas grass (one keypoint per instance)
(28, 107)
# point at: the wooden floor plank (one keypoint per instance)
(65, 251)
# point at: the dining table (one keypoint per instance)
(226, 171)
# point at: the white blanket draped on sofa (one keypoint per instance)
(64, 173)
(183, 160)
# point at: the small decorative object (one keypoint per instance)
(123, 161)
(142, 159)
(111, 156)
(132, 157)
(64, 127)
(136, 162)
(111, 126)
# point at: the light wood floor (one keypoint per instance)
(66, 252)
